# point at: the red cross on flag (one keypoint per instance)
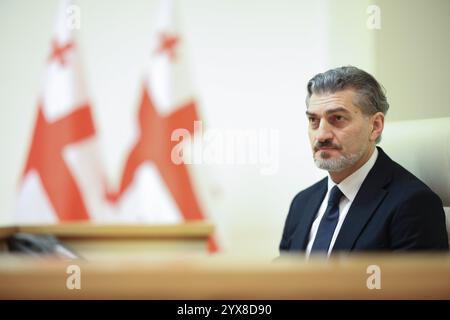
(153, 188)
(62, 178)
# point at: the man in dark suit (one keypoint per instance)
(367, 202)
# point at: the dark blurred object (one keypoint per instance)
(39, 245)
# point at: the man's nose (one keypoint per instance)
(324, 132)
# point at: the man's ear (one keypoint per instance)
(377, 121)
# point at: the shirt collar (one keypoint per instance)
(350, 185)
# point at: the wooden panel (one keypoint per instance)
(94, 249)
(90, 230)
(94, 240)
(188, 277)
(5, 232)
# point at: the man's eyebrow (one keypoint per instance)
(338, 109)
(329, 111)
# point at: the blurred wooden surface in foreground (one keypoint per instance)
(190, 276)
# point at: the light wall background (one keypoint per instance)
(412, 57)
(250, 61)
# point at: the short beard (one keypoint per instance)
(336, 165)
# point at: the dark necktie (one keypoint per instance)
(328, 222)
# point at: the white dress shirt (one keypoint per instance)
(349, 187)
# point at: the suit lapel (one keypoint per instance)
(309, 211)
(369, 197)
(362, 209)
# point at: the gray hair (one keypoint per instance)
(370, 94)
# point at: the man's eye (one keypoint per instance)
(339, 118)
(313, 121)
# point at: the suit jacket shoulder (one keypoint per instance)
(417, 220)
(301, 202)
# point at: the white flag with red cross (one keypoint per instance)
(153, 188)
(62, 179)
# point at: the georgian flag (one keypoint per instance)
(153, 188)
(62, 179)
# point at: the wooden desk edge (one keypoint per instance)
(90, 230)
